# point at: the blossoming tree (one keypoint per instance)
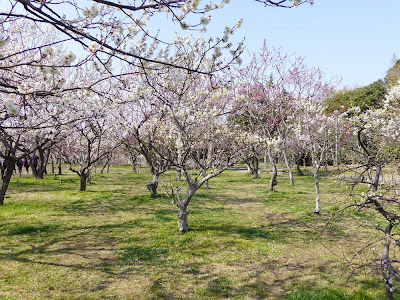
(270, 94)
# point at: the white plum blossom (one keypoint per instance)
(68, 58)
(48, 51)
(93, 47)
(195, 4)
(205, 20)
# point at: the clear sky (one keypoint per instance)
(351, 39)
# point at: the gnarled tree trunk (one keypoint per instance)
(183, 213)
(152, 187)
(183, 205)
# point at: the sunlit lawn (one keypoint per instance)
(115, 242)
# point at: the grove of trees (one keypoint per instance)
(187, 104)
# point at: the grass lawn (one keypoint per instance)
(114, 242)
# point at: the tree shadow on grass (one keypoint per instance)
(243, 231)
(107, 202)
(303, 226)
(136, 254)
(90, 247)
(21, 229)
(36, 188)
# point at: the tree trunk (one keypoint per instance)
(255, 167)
(52, 165)
(183, 205)
(44, 155)
(6, 180)
(291, 178)
(82, 181)
(34, 169)
(178, 174)
(249, 170)
(316, 178)
(59, 166)
(273, 182)
(265, 163)
(385, 263)
(89, 176)
(152, 187)
(183, 213)
(204, 171)
(288, 167)
(40, 173)
(299, 171)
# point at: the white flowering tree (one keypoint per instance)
(316, 132)
(139, 121)
(183, 116)
(31, 91)
(198, 129)
(88, 135)
(86, 143)
(120, 30)
(376, 144)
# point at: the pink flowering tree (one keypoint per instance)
(270, 91)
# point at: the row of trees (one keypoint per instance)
(171, 116)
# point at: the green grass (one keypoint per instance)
(115, 242)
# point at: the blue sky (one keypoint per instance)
(351, 39)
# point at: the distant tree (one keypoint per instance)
(393, 74)
(370, 96)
